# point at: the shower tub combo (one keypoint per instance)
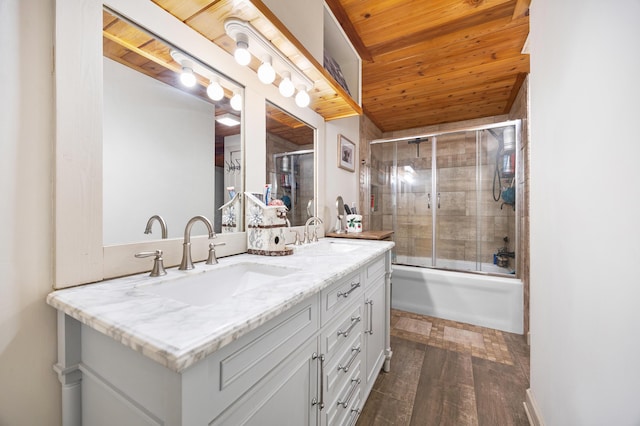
(450, 199)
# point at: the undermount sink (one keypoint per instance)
(211, 286)
(330, 247)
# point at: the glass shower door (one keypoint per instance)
(401, 198)
(455, 201)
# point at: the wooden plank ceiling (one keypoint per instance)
(428, 62)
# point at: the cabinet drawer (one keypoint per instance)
(342, 366)
(339, 295)
(240, 365)
(342, 330)
(342, 408)
(374, 271)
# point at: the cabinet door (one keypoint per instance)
(375, 331)
(284, 399)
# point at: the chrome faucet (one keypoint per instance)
(314, 219)
(163, 225)
(186, 262)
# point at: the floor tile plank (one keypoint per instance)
(500, 392)
(445, 393)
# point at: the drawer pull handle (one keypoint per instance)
(315, 400)
(357, 412)
(354, 321)
(355, 351)
(370, 308)
(354, 386)
(346, 294)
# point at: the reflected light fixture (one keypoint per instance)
(266, 73)
(228, 119)
(302, 97)
(242, 55)
(187, 77)
(236, 101)
(215, 90)
(287, 89)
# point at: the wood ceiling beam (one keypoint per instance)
(135, 49)
(514, 91)
(521, 9)
(344, 21)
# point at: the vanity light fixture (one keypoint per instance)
(266, 73)
(228, 119)
(236, 101)
(302, 97)
(287, 89)
(215, 90)
(274, 62)
(242, 55)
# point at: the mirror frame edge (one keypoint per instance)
(78, 252)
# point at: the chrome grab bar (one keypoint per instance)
(315, 401)
(346, 294)
(356, 351)
(354, 321)
(370, 308)
(355, 382)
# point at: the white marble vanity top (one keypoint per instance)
(177, 334)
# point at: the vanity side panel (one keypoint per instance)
(128, 380)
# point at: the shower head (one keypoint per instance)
(417, 143)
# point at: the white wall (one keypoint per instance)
(29, 389)
(339, 181)
(585, 212)
(158, 151)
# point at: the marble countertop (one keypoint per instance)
(176, 334)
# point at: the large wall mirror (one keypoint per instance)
(290, 163)
(171, 145)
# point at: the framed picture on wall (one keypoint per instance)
(346, 154)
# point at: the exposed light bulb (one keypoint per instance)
(266, 73)
(215, 90)
(187, 77)
(302, 97)
(287, 89)
(236, 101)
(242, 55)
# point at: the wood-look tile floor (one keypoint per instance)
(449, 373)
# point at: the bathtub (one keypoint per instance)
(478, 299)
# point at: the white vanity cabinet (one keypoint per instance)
(313, 364)
(377, 323)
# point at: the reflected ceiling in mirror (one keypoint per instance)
(164, 151)
(291, 163)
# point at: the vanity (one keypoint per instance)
(263, 340)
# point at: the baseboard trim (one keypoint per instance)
(531, 408)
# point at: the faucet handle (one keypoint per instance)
(314, 239)
(297, 240)
(158, 266)
(212, 259)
